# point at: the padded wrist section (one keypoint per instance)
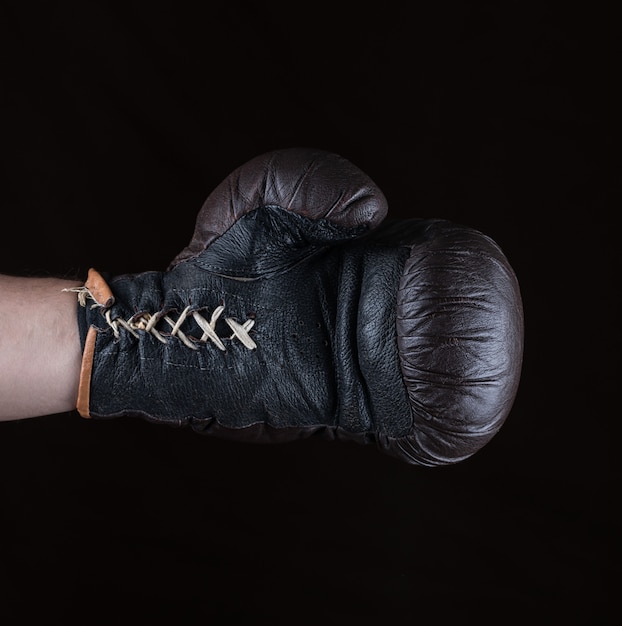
(234, 357)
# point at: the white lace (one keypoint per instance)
(147, 323)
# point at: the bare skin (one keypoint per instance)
(40, 350)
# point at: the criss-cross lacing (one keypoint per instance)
(147, 322)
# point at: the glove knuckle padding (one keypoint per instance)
(460, 342)
(314, 184)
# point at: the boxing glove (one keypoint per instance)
(298, 309)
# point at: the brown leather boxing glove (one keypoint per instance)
(297, 309)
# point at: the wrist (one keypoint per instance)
(39, 346)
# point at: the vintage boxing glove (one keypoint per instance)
(297, 309)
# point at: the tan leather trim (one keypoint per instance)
(98, 288)
(86, 369)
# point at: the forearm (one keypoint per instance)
(40, 351)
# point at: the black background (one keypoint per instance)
(118, 120)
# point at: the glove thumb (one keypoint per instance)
(280, 207)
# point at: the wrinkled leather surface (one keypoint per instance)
(312, 183)
(407, 336)
(460, 339)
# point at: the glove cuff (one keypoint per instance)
(95, 289)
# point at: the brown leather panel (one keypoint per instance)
(84, 388)
(98, 288)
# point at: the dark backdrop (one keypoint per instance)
(117, 121)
